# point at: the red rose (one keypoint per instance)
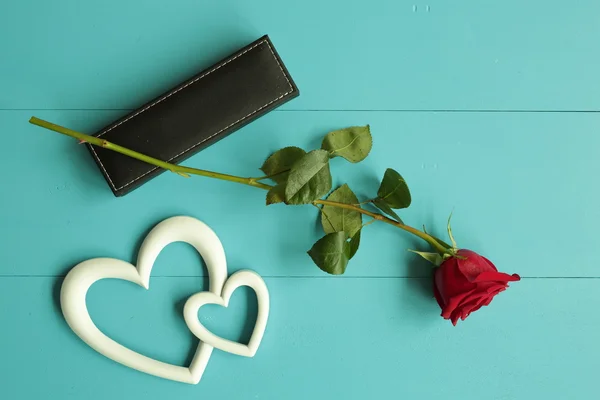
(463, 285)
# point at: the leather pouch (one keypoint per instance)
(195, 114)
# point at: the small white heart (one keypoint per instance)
(81, 277)
(240, 278)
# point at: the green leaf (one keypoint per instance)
(354, 243)
(325, 220)
(276, 194)
(394, 190)
(382, 205)
(450, 233)
(433, 258)
(309, 178)
(280, 162)
(331, 253)
(353, 144)
(336, 219)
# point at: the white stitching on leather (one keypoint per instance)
(205, 139)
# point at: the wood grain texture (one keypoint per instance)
(466, 99)
(519, 185)
(326, 338)
(384, 54)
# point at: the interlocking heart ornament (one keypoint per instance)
(205, 241)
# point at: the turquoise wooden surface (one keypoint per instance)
(518, 183)
(521, 183)
(383, 54)
(362, 338)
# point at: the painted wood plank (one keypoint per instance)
(519, 185)
(385, 54)
(326, 338)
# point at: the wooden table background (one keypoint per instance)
(487, 108)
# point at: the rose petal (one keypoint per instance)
(475, 295)
(454, 319)
(491, 264)
(477, 307)
(494, 290)
(464, 285)
(496, 276)
(451, 282)
(475, 303)
(473, 265)
(437, 295)
(494, 293)
(482, 296)
(487, 298)
(454, 303)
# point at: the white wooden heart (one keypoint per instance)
(240, 278)
(82, 276)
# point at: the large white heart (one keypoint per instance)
(82, 276)
(240, 278)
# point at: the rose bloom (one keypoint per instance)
(466, 283)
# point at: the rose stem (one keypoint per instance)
(231, 178)
(142, 157)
